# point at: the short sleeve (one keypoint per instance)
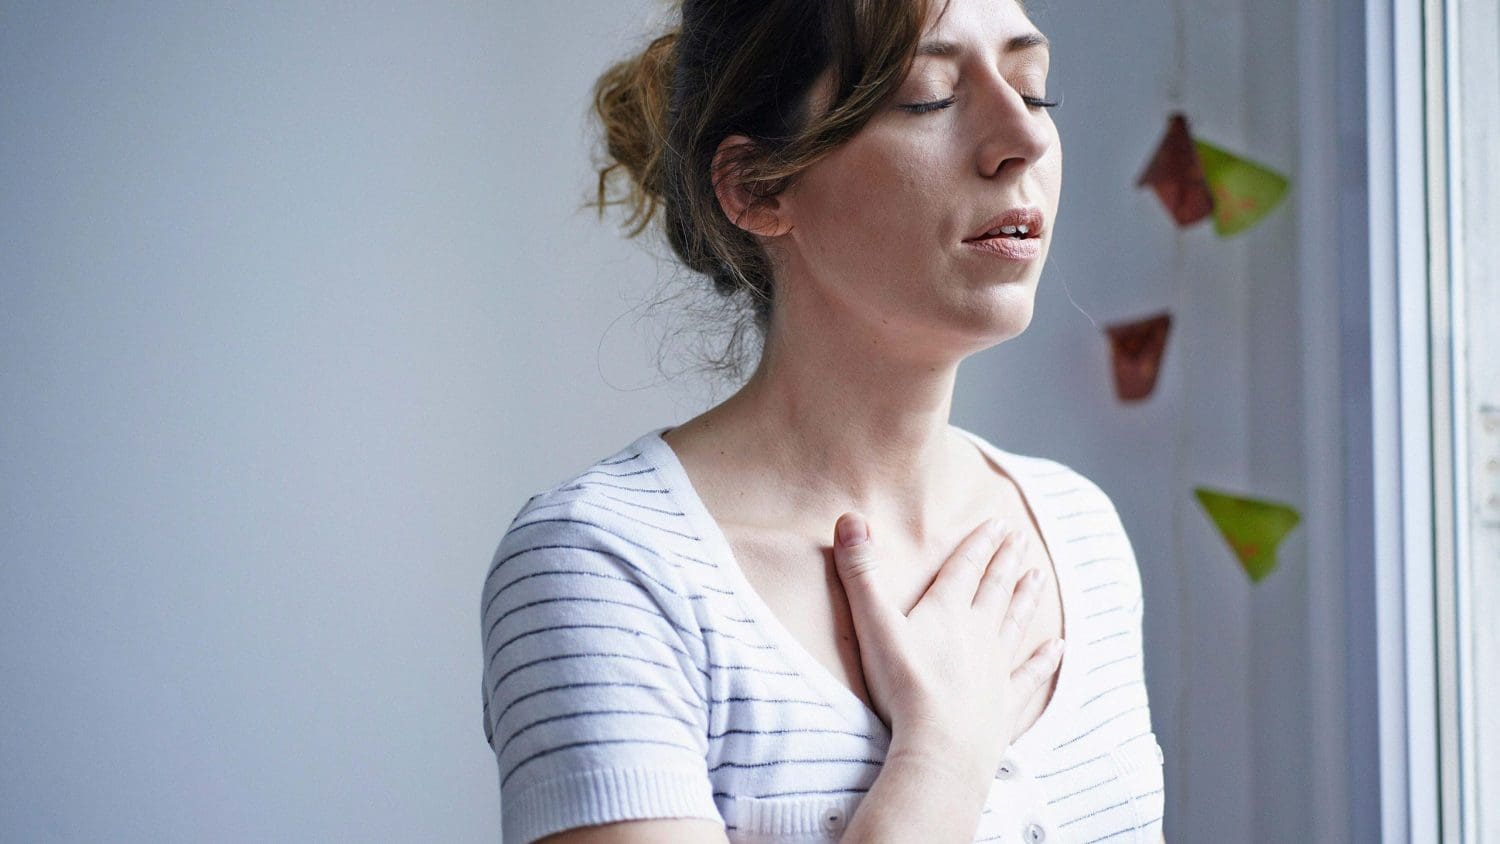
(595, 692)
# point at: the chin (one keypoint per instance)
(1003, 319)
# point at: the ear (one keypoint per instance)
(762, 215)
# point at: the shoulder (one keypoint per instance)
(622, 500)
(606, 541)
(1053, 484)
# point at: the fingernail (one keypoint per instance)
(994, 529)
(1057, 646)
(852, 532)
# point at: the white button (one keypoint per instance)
(1008, 768)
(1034, 834)
(833, 819)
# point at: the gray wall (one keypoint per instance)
(300, 304)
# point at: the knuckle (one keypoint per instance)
(859, 561)
(1011, 626)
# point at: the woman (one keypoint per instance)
(778, 620)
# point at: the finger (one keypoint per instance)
(961, 572)
(858, 564)
(1033, 674)
(1022, 605)
(1000, 576)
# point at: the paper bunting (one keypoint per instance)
(1253, 528)
(1137, 349)
(1243, 191)
(1176, 174)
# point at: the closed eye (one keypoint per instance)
(923, 108)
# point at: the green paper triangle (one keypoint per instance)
(1253, 528)
(1243, 191)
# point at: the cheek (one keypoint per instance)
(892, 194)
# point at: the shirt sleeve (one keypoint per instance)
(595, 691)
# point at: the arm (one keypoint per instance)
(916, 797)
(919, 796)
(654, 831)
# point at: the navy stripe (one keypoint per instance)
(588, 712)
(645, 471)
(1104, 665)
(785, 761)
(1071, 767)
(1082, 790)
(757, 669)
(574, 501)
(1124, 685)
(1086, 537)
(560, 748)
(485, 611)
(1095, 812)
(772, 794)
(651, 611)
(779, 700)
(619, 500)
(858, 735)
(587, 655)
(628, 564)
(631, 630)
(1091, 730)
(499, 719)
(1099, 560)
(605, 485)
(1081, 513)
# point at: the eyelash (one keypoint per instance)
(923, 108)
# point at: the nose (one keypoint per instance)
(1013, 135)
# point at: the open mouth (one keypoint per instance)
(1021, 223)
(1021, 232)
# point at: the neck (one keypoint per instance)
(842, 423)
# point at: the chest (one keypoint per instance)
(796, 579)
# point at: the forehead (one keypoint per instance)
(956, 26)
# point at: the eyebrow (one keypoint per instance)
(1020, 42)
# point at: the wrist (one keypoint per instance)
(941, 754)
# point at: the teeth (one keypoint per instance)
(1010, 230)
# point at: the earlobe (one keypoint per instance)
(765, 215)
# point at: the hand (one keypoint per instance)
(932, 671)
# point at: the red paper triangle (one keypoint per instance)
(1137, 348)
(1176, 174)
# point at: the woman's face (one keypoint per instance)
(881, 227)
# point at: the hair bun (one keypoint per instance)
(631, 99)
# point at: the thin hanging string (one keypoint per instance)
(1180, 430)
(1179, 55)
(1062, 278)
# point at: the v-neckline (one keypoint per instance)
(849, 705)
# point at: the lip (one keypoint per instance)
(1028, 216)
(1022, 249)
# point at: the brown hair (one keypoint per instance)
(738, 67)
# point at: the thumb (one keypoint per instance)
(857, 563)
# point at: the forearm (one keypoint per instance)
(922, 794)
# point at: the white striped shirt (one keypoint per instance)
(632, 672)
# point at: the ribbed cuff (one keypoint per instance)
(590, 798)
